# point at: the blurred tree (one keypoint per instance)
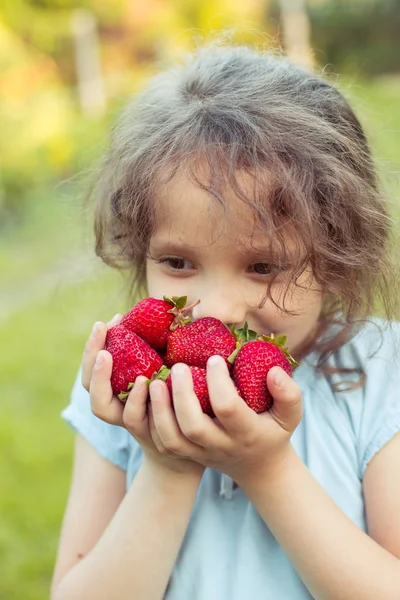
(88, 68)
(34, 119)
(296, 31)
(360, 36)
(40, 81)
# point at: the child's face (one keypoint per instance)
(200, 252)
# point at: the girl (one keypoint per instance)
(241, 180)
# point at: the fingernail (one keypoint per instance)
(280, 377)
(115, 319)
(215, 360)
(138, 383)
(99, 360)
(178, 370)
(96, 328)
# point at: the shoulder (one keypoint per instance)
(374, 406)
(356, 399)
(377, 338)
(374, 351)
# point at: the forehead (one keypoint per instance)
(188, 214)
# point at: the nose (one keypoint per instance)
(228, 307)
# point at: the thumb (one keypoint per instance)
(287, 408)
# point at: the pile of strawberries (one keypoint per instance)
(155, 334)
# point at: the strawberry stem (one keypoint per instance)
(190, 306)
(178, 309)
(231, 357)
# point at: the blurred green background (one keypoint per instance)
(66, 67)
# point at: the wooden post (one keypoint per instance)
(91, 92)
(296, 32)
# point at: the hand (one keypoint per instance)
(239, 442)
(133, 415)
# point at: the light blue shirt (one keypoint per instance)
(228, 552)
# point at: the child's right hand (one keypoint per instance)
(134, 415)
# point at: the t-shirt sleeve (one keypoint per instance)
(110, 441)
(380, 419)
(381, 427)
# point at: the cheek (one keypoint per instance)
(155, 281)
(306, 303)
(304, 297)
(161, 284)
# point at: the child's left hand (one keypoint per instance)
(239, 442)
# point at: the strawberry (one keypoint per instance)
(199, 377)
(193, 344)
(252, 363)
(131, 357)
(153, 319)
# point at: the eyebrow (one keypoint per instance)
(183, 248)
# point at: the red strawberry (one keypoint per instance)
(252, 364)
(196, 342)
(131, 357)
(199, 377)
(153, 319)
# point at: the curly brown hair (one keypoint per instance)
(242, 109)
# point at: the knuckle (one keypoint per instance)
(226, 410)
(301, 411)
(90, 347)
(87, 345)
(99, 412)
(294, 396)
(194, 433)
(171, 446)
(85, 383)
(128, 420)
(247, 443)
(162, 449)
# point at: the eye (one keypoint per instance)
(176, 264)
(263, 268)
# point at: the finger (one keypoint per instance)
(153, 431)
(167, 425)
(135, 417)
(104, 404)
(94, 344)
(115, 320)
(232, 412)
(194, 424)
(287, 408)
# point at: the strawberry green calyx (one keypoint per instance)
(123, 395)
(280, 342)
(178, 308)
(245, 334)
(178, 302)
(162, 374)
(242, 336)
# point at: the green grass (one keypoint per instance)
(41, 350)
(52, 227)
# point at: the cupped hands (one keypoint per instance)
(179, 436)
